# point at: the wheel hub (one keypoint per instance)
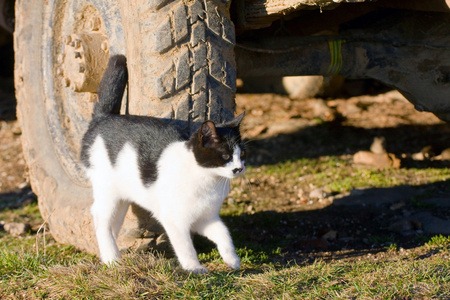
(84, 60)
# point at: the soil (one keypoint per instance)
(306, 221)
(302, 221)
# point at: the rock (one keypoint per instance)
(318, 194)
(17, 229)
(432, 224)
(402, 226)
(397, 205)
(378, 145)
(323, 111)
(383, 160)
(424, 154)
(445, 155)
(330, 235)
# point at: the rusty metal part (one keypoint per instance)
(85, 60)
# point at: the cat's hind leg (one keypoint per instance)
(103, 212)
(215, 230)
(119, 216)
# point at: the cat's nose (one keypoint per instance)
(237, 170)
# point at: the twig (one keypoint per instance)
(37, 234)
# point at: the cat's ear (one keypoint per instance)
(235, 122)
(208, 134)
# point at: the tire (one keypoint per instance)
(183, 60)
(55, 105)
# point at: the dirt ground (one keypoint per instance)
(355, 224)
(365, 221)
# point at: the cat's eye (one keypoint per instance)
(226, 156)
(242, 153)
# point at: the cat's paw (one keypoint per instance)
(233, 262)
(110, 260)
(198, 270)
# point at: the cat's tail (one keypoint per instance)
(111, 88)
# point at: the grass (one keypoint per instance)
(62, 272)
(339, 175)
(77, 276)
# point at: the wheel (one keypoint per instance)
(61, 50)
(182, 60)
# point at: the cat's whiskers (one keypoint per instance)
(246, 182)
(222, 184)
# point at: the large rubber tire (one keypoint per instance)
(196, 86)
(182, 54)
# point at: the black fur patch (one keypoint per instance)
(111, 88)
(210, 143)
(149, 136)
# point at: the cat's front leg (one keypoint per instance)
(180, 238)
(216, 231)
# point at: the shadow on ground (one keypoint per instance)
(366, 222)
(335, 138)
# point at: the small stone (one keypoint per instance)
(397, 205)
(318, 194)
(330, 235)
(323, 111)
(403, 226)
(378, 145)
(17, 229)
(382, 160)
(445, 155)
(424, 154)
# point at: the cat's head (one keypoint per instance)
(220, 147)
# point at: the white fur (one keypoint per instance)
(186, 197)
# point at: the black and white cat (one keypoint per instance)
(146, 161)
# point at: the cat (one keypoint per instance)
(143, 160)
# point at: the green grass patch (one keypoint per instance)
(340, 175)
(66, 273)
(32, 269)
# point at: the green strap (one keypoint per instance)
(336, 57)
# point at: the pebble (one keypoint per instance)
(379, 160)
(397, 205)
(432, 224)
(17, 229)
(330, 235)
(402, 226)
(378, 145)
(424, 154)
(445, 155)
(318, 194)
(323, 111)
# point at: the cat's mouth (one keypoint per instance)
(238, 171)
